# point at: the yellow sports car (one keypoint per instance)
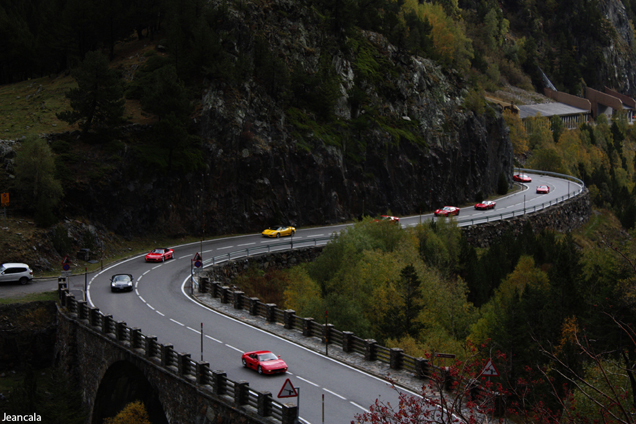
(279, 231)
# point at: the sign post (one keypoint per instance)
(197, 262)
(288, 390)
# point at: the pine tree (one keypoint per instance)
(97, 102)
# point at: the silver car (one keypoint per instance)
(15, 272)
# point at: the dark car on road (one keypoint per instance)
(121, 282)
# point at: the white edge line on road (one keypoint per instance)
(226, 247)
(290, 342)
(358, 406)
(212, 338)
(232, 347)
(245, 244)
(176, 322)
(334, 393)
(192, 329)
(150, 306)
(307, 381)
(163, 315)
(142, 299)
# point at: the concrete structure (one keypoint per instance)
(603, 103)
(115, 365)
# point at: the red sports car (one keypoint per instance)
(264, 361)
(486, 204)
(159, 255)
(389, 218)
(543, 189)
(447, 211)
(522, 178)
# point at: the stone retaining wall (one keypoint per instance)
(563, 217)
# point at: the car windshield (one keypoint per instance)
(157, 251)
(267, 357)
(118, 278)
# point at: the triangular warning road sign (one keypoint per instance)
(197, 257)
(66, 260)
(287, 390)
(490, 370)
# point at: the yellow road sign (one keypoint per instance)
(5, 199)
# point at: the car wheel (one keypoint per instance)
(277, 235)
(244, 362)
(24, 280)
(163, 259)
(260, 370)
(457, 213)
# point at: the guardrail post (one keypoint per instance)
(241, 392)
(395, 361)
(203, 284)
(203, 371)
(120, 331)
(369, 349)
(63, 293)
(254, 305)
(166, 354)
(271, 312)
(288, 318)
(237, 296)
(347, 341)
(106, 323)
(219, 379)
(290, 414)
(307, 322)
(448, 379)
(422, 368)
(151, 342)
(264, 404)
(183, 360)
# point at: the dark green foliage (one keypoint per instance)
(39, 190)
(61, 241)
(402, 320)
(50, 394)
(97, 101)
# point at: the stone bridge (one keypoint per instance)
(115, 365)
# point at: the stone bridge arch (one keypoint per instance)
(121, 384)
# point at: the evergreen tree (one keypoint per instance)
(35, 179)
(97, 101)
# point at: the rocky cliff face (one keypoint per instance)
(619, 56)
(409, 147)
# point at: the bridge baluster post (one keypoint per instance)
(271, 312)
(254, 305)
(166, 354)
(289, 316)
(395, 360)
(422, 368)
(81, 309)
(219, 379)
(93, 316)
(347, 341)
(135, 338)
(183, 363)
(241, 392)
(307, 322)
(290, 413)
(237, 297)
(106, 321)
(151, 343)
(225, 290)
(120, 331)
(370, 349)
(264, 404)
(203, 372)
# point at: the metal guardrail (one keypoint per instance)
(462, 222)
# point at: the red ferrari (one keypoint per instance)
(264, 361)
(522, 178)
(543, 189)
(447, 211)
(485, 205)
(389, 218)
(159, 255)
